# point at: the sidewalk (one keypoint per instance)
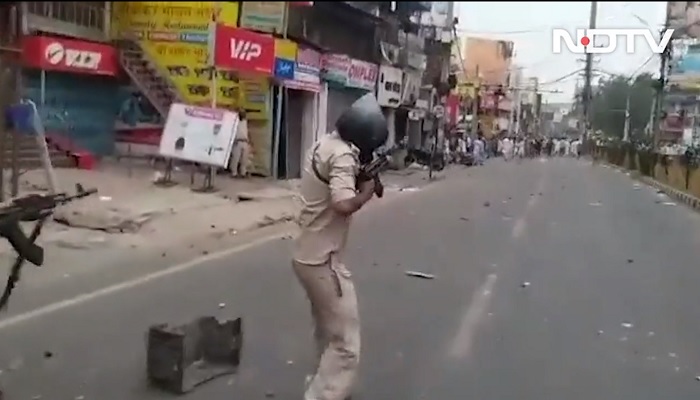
(129, 211)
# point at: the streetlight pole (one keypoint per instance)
(588, 74)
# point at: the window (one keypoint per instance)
(89, 14)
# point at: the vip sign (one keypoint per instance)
(245, 50)
(586, 37)
(57, 54)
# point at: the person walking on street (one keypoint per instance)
(331, 194)
(240, 153)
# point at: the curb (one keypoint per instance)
(677, 194)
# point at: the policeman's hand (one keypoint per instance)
(366, 188)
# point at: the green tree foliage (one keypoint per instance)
(609, 99)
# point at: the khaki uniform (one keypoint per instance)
(318, 264)
(240, 153)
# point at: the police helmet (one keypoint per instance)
(364, 125)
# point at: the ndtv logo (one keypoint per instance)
(245, 50)
(57, 54)
(586, 37)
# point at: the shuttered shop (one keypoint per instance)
(339, 100)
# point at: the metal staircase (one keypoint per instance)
(157, 88)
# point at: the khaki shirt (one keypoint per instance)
(323, 230)
(242, 131)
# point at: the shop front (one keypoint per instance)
(252, 57)
(74, 84)
(300, 122)
(348, 79)
(389, 96)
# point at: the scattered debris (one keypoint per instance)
(623, 339)
(222, 305)
(105, 198)
(627, 325)
(595, 204)
(81, 397)
(651, 358)
(630, 261)
(677, 369)
(290, 362)
(525, 284)
(673, 355)
(422, 275)
(162, 254)
(650, 334)
(697, 378)
(506, 218)
(668, 203)
(48, 354)
(600, 332)
(464, 218)
(487, 204)
(504, 202)
(269, 394)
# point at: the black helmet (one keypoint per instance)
(364, 125)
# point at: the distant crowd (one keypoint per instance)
(478, 149)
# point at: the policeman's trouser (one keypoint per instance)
(333, 301)
(240, 154)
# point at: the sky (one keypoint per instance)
(529, 25)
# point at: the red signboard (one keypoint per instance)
(68, 55)
(243, 50)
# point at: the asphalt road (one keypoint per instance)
(554, 280)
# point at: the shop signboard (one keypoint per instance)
(362, 75)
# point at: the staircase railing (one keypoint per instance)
(143, 86)
(134, 42)
(131, 50)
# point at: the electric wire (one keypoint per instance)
(563, 78)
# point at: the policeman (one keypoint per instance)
(330, 196)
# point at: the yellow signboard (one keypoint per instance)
(174, 36)
(285, 49)
(468, 89)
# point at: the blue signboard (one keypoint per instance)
(284, 69)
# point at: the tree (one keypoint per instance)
(609, 100)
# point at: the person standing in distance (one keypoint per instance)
(240, 153)
(330, 195)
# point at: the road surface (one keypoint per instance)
(554, 280)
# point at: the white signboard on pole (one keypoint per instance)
(199, 134)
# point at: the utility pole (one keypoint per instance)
(475, 104)
(626, 129)
(658, 100)
(587, 95)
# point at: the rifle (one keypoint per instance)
(371, 171)
(33, 207)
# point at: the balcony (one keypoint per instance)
(86, 20)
